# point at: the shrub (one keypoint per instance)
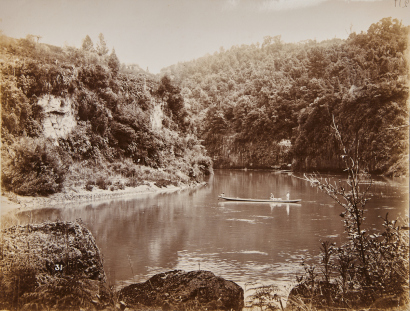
(126, 168)
(103, 183)
(163, 183)
(89, 185)
(33, 166)
(133, 182)
(200, 165)
(368, 267)
(117, 186)
(19, 280)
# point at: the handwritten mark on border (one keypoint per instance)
(402, 3)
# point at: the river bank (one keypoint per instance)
(11, 202)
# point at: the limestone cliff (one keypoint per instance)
(59, 115)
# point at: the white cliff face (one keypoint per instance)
(59, 118)
(156, 117)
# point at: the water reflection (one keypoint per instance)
(272, 205)
(245, 242)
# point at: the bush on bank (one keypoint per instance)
(371, 268)
(33, 166)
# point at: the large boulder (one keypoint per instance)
(53, 265)
(178, 290)
(56, 248)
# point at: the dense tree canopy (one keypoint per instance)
(253, 105)
(259, 95)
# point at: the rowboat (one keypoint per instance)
(259, 200)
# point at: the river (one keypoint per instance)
(244, 242)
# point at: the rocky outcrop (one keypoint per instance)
(54, 265)
(231, 152)
(58, 116)
(178, 290)
(157, 115)
(53, 248)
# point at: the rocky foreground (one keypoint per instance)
(55, 265)
(58, 266)
(180, 290)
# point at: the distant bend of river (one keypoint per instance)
(244, 242)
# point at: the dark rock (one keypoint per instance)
(58, 248)
(54, 265)
(176, 290)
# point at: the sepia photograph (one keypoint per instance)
(204, 155)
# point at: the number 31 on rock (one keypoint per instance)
(58, 267)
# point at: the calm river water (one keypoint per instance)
(243, 242)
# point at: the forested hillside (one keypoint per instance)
(78, 118)
(270, 104)
(75, 118)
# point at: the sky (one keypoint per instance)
(158, 33)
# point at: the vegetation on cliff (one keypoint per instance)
(262, 105)
(126, 126)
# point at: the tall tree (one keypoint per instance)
(113, 62)
(101, 46)
(88, 44)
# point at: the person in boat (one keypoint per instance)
(272, 197)
(287, 196)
